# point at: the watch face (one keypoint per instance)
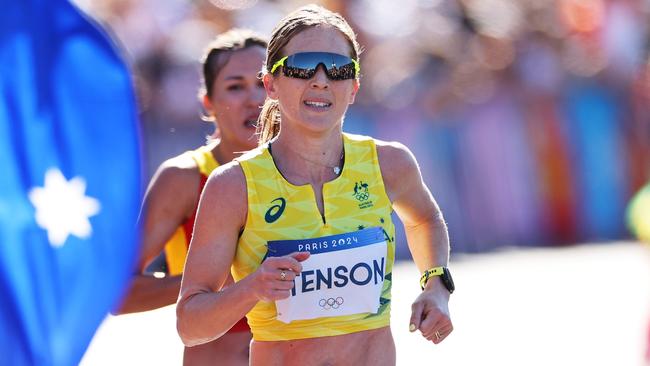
(447, 280)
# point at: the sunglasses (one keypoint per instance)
(303, 65)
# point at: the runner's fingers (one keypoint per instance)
(436, 339)
(416, 316)
(300, 256)
(439, 337)
(287, 263)
(447, 331)
(438, 324)
(272, 274)
(270, 267)
(283, 285)
(285, 275)
(427, 324)
(294, 265)
(445, 324)
(290, 261)
(280, 294)
(440, 332)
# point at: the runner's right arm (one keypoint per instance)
(205, 312)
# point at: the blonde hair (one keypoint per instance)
(305, 17)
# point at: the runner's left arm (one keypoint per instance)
(426, 234)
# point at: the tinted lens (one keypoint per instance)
(342, 68)
(303, 65)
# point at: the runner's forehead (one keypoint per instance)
(319, 39)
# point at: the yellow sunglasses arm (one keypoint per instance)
(278, 64)
(357, 67)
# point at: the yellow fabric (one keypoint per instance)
(204, 159)
(176, 251)
(176, 247)
(639, 214)
(355, 200)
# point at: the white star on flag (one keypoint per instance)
(62, 207)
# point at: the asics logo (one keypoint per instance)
(274, 212)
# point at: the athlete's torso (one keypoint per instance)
(372, 347)
(279, 210)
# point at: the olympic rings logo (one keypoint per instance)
(330, 303)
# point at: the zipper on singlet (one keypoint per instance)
(322, 216)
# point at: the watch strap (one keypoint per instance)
(432, 272)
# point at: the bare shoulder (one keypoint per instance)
(228, 178)
(398, 166)
(176, 172)
(226, 190)
(174, 188)
(395, 159)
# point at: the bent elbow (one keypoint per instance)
(187, 337)
(185, 329)
(182, 328)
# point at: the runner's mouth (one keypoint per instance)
(315, 104)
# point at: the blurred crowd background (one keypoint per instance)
(530, 118)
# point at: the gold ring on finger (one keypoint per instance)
(283, 275)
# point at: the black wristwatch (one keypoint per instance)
(445, 277)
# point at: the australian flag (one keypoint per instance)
(69, 181)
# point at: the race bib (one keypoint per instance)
(344, 275)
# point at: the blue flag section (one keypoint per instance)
(69, 181)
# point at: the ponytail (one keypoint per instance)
(268, 125)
